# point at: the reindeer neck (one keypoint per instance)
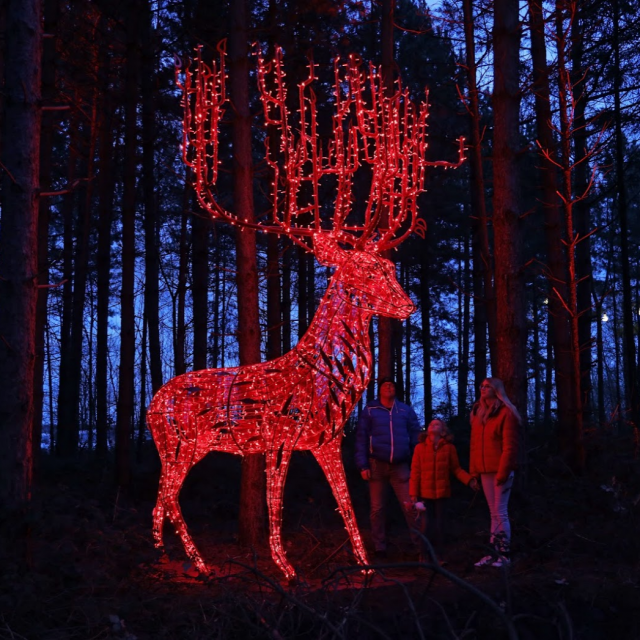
(334, 312)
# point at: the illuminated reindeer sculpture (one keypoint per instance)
(301, 400)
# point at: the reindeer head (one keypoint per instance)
(366, 279)
(371, 127)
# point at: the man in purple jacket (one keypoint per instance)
(386, 434)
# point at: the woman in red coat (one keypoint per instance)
(494, 451)
(434, 460)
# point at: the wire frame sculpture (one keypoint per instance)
(300, 401)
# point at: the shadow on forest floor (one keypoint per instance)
(93, 573)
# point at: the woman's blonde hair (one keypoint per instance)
(485, 410)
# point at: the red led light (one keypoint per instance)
(300, 401)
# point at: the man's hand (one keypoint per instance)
(366, 474)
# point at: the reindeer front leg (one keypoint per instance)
(329, 457)
(277, 467)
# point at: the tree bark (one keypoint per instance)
(629, 350)
(66, 442)
(425, 307)
(252, 490)
(51, 12)
(385, 329)
(179, 324)
(286, 297)
(509, 278)
(303, 292)
(151, 253)
(216, 311)
(465, 314)
(71, 400)
(200, 229)
(19, 251)
(485, 303)
(274, 311)
(572, 443)
(537, 380)
(557, 271)
(600, 361)
(582, 211)
(106, 188)
(124, 420)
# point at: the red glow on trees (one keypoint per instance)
(301, 400)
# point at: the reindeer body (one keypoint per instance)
(299, 401)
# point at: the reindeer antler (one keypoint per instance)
(369, 127)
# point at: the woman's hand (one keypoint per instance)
(366, 474)
(474, 484)
(500, 480)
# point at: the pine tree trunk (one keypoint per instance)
(200, 229)
(66, 443)
(548, 375)
(537, 382)
(124, 420)
(274, 306)
(19, 251)
(572, 444)
(600, 362)
(143, 389)
(385, 328)
(80, 268)
(274, 313)
(181, 293)
(408, 363)
(216, 311)
(303, 292)
(252, 491)
(106, 152)
(286, 297)
(618, 357)
(554, 232)
(151, 254)
(465, 313)
(51, 12)
(629, 359)
(425, 298)
(509, 278)
(582, 213)
(485, 303)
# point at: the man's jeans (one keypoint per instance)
(396, 475)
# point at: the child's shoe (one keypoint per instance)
(502, 561)
(483, 562)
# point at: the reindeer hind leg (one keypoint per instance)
(173, 511)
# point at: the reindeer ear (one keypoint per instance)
(327, 250)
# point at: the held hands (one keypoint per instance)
(474, 484)
(500, 481)
(366, 474)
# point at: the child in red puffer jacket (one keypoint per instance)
(434, 460)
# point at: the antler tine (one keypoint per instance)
(386, 132)
(204, 99)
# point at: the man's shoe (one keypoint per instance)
(502, 561)
(483, 562)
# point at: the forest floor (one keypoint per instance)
(93, 573)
